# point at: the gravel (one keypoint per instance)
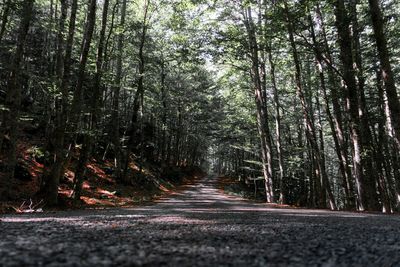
(200, 227)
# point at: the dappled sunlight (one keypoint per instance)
(305, 214)
(99, 172)
(178, 220)
(85, 185)
(200, 222)
(35, 168)
(23, 219)
(95, 201)
(205, 199)
(103, 191)
(200, 203)
(134, 166)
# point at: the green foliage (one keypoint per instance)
(37, 153)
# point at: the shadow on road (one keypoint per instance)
(200, 226)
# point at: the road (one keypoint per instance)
(200, 226)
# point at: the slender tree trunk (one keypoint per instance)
(77, 101)
(140, 89)
(261, 112)
(343, 26)
(383, 146)
(139, 95)
(369, 158)
(178, 134)
(392, 150)
(342, 156)
(48, 61)
(97, 87)
(164, 111)
(89, 139)
(51, 178)
(278, 129)
(115, 117)
(13, 98)
(310, 128)
(337, 110)
(386, 68)
(4, 18)
(50, 184)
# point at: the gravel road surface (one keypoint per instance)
(200, 226)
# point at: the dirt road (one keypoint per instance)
(200, 226)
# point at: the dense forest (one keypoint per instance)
(297, 97)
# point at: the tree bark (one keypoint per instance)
(115, 134)
(4, 19)
(386, 68)
(13, 98)
(336, 131)
(164, 111)
(50, 183)
(261, 112)
(137, 112)
(369, 158)
(343, 27)
(51, 177)
(310, 128)
(97, 88)
(77, 101)
(278, 129)
(337, 111)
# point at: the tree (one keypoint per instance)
(115, 107)
(386, 68)
(13, 97)
(262, 121)
(77, 100)
(310, 128)
(352, 94)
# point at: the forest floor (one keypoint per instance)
(200, 226)
(100, 188)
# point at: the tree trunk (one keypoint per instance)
(278, 129)
(383, 148)
(51, 177)
(115, 134)
(178, 134)
(368, 158)
(77, 101)
(343, 27)
(4, 19)
(89, 139)
(50, 183)
(310, 128)
(261, 112)
(164, 111)
(97, 88)
(337, 112)
(13, 98)
(340, 152)
(386, 68)
(139, 95)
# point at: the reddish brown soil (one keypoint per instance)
(100, 190)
